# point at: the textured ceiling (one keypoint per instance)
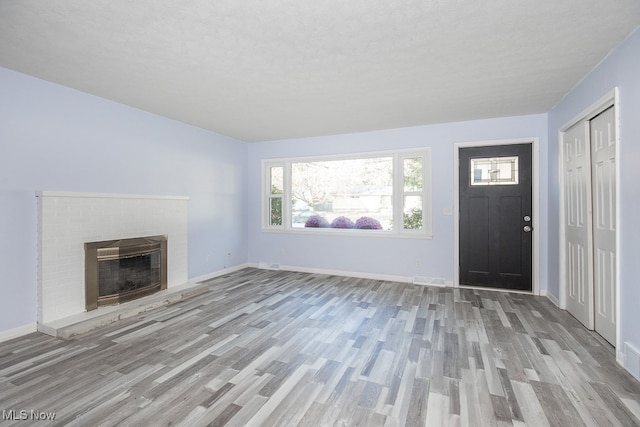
(270, 69)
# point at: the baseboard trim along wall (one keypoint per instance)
(417, 280)
(219, 273)
(18, 332)
(550, 297)
(632, 360)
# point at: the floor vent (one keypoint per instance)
(269, 266)
(632, 360)
(428, 281)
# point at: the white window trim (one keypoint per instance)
(267, 195)
(398, 195)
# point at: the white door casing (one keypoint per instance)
(599, 124)
(536, 205)
(603, 169)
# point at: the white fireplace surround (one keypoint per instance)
(66, 221)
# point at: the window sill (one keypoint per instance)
(390, 234)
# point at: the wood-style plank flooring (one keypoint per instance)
(296, 349)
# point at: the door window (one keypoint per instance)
(494, 171)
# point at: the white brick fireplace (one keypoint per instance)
(66, 221)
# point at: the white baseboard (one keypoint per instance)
(346, 273)
(429, 281)
(550, 297)
(631, 360)
(358, 274)
(220, 273)
(18, 332)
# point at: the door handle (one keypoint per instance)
(527, 229)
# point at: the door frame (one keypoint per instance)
(535, 197)
(611, 99)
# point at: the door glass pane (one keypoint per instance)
(413, 174)
(494, 171)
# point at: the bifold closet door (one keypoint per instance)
(603, 173)
(577, 223)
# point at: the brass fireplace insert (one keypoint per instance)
(125, 269)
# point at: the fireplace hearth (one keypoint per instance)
(122, 270)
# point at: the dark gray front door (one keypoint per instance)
(496, 216)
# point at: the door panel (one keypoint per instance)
(478, 236)
(604, 226)
(577, 181)
(511, 215)
(495, 197)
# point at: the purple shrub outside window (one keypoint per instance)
(368, 223)
(316, 221)
(342, 222)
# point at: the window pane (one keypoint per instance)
(275, 211)
(413, 174)
(343, 191)
(412, 213)
(277, 180)
(494, 171)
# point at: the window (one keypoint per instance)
(276, 190)
(386, 192)
(412, 193)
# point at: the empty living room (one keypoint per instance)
(278, 213)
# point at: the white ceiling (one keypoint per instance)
(260, 70)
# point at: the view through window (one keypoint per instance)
(350, 189)
(367, 192)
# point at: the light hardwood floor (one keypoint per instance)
(281, 348)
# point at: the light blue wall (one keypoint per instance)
(389, 256)
(17, 259)
(56, 138)
(621, 68)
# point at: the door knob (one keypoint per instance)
(527, 229)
